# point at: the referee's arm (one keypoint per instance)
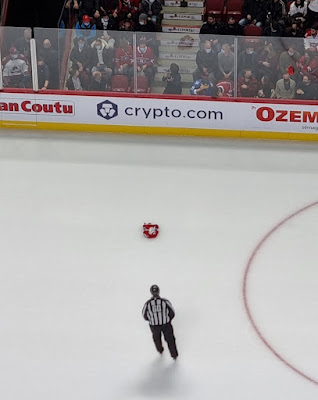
(144, 311)
(170, 308)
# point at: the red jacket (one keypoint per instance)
(250, 91)
(146, 58)
(123, 56)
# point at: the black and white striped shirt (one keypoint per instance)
(158, 311)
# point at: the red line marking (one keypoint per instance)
(245, 289)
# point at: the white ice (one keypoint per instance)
(75, 269)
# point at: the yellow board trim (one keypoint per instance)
(149, 130)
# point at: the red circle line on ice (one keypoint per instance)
(245, 293)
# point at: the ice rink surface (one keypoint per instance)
(76, 270)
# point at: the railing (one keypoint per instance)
(214, 66)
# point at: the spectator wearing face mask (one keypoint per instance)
(81, 54)
(289, 58)
(151, 8)
(15, 70)
(102, 59)
(86, 29)
(305, 90)
(246, 60)
(206, 60)
(225, 63)
(145, 61)
(108, 22)
(145, 24)
(148, 27)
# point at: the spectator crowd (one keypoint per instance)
(281, 62)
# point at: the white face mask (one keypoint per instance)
(142, 49)
(142, 22)
(291, 53)
(98, 47)
(81, 46)
(250, 51)
(15, 56)
(208, 51)
(222, 51)
(86, 23)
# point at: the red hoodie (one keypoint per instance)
(146, 58)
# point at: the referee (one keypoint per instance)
(159, 312)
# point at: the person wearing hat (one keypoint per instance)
(86, 28)
(159, 313)
(145, 24)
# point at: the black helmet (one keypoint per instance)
(154, 290)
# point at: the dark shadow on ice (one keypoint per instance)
(161, 380)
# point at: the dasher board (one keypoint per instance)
(179, 43)
(181, 29)
(175, 3)
(177, 56)
(189, 17)
(181, 70)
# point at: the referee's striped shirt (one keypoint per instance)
(158, 311)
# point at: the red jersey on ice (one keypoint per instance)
(151, 230)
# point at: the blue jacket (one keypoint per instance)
(205, 92)
(89, 32)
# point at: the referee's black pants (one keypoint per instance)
(167, 331)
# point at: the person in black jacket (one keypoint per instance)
(81, 54)
(159, 313)
(232, 28)
(97, 83)
(89, 7)
(305, 90)
(207, 63)
(173, 80)
(254, 12)
(210, 27)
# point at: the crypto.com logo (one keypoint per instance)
(107, 110)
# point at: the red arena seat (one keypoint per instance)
(142, 85)
(216, 7)
(119, 83)
(252, 30)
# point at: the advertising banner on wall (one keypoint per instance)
(106, 112)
